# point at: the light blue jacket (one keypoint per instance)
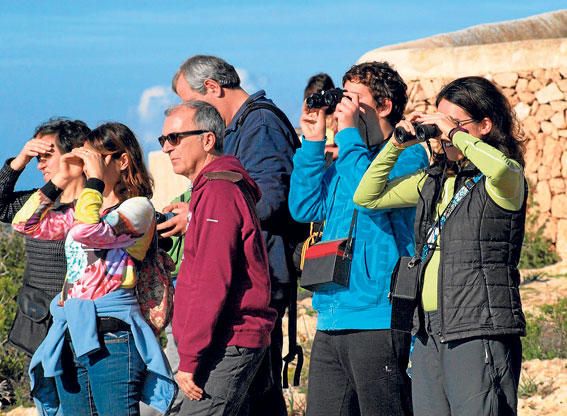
(380, 237)
(79, 317)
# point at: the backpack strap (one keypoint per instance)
(279, 114)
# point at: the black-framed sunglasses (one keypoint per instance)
(174, 138)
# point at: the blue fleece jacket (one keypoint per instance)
(265, 147)
(380, 237)
(79, 317)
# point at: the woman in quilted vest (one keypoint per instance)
(471, 208)
(101, 352)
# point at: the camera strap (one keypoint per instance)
(435, 230)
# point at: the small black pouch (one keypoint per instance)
(404, 289)
(32, 320)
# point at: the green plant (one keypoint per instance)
(537, 250)
(546, 336)
(12, 362)
(527, 387)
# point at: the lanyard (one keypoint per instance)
(434, 232)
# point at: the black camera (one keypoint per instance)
(329, 98)
(423, 132)
(165, 243)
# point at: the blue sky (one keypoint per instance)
(113, 60)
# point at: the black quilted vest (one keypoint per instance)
(478, 280)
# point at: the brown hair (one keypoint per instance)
(115, 139)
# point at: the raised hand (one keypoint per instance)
(33, 148)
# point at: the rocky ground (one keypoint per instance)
(544, 382)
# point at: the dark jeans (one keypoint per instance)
(266, 390)
(474, 376)
(359, 373)
(225, 374)
(107, 382)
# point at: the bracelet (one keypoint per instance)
(454, 130)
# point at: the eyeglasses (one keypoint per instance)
(460, 123)
(174, 138)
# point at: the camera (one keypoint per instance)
(423, 132)
(329, 98)
(165, 243)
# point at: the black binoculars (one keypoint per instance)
(423, 132)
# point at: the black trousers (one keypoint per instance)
(266, 394)
(359, 373)
(470, 377)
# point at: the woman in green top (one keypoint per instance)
(467, 356)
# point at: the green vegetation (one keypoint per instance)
(547, 333)
(537, 250)
(13, 377)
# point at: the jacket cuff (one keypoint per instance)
(188, 363)
(96, 184)
(312, 147)
(51, 191)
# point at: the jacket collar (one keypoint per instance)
(252, 98)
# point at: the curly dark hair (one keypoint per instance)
(384, 82)
(481, 98)
(69, 133)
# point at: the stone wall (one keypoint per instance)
(539, 99)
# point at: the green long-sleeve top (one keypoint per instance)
(504, 185)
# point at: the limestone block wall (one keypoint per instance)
(539, 99)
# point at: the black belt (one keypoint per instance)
(109, 324)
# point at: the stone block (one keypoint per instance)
(548, 128)
(522, 85)
(559, 206)
(540, 140)
(541, 76)
(557, 185)
(550, 229)
(531, 156)
(530, 125)
(561, 244)
(549, 93)
(562, 133)
(522, 111)
(543, 172)
(506, 79)
(544, 113)
(542, 197)
(534, 85)
(558, 120)
(564, 162)
(535, 107)
(552, 74)
(562, 84)
(526, 97)
(558, 106)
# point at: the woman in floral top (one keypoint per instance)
(110, 229)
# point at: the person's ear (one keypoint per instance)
(124, 161)
(212, 87)
(209, 140)
(385, 108)
(485, 126)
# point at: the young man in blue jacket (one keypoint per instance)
(264, 144)
(358, 364)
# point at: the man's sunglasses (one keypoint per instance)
(174, 138)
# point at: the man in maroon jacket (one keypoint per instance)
(222, 319)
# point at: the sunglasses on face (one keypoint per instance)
(174, 138)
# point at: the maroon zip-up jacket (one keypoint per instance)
(222, 294)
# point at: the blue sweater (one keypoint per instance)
(79, 317)
(380, 237)
(265, 147)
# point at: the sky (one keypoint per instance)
(113, 60)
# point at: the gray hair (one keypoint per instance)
(199, 68)
(206, 117)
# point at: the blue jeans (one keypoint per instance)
(107, 382)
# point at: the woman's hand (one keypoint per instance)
(33, 148)
(312, 123)
(443, 121)
(70, 168)
(92, 160)
(408, 125)
(347, 112)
